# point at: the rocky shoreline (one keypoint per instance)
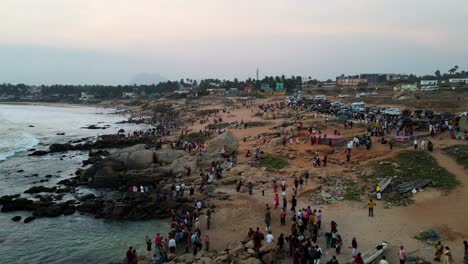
(112, 171)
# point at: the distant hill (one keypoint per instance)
(147, 78)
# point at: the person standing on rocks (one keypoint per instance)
(148, 246)
(129, 255)
(371, 204)
(250, 188)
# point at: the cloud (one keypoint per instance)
(227, 38)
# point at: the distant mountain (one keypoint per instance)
(147, 78)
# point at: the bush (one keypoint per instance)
(273, 162)
(416, 165)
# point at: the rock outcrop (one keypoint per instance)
(226, 139)
(463, 123)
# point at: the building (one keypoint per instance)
(279, 88)
(329, 85)
(374, 77)
(86, 97)
(220, 91)
(350, 81)
(458, 80)
(248, 89)
(129, 95)
(396, 77)
(406, 87)
(233, 92)
(429, 83)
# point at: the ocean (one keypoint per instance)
(66, 239)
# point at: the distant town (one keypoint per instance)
(272, 85)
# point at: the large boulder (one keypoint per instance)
(103, 174)
(105, 177)
(123, 154)
(140, 159)
(167, 156)
(39, 189)
(177, 167)
(226, 139)
(464, 123)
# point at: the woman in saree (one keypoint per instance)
(439, 251)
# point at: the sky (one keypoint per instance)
(111, 41)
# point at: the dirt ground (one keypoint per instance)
(444, 212)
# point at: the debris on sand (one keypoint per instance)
(336, 188)
(428, 235)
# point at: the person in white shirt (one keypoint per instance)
(269, 238)
(383, 260)
(172, 245)
(199, 205)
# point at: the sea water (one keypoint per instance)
(66, 239)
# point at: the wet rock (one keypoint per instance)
(59, 147)
(39, 153)
(29, 219)
(39, 189)
(18, 204)
(87, 197)
(16, 218)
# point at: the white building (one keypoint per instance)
(458, 80)
(129, 95)
(86, 97)
(429, 83)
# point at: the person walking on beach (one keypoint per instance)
(447, 256)
(354, 245)
(402, 255)
(319, 219)
(371, 204)
(283, 218)
(207, 243)
(293, 203)
(276, 199)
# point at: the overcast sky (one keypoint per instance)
(110, 41)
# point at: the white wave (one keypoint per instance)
(13, 141)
